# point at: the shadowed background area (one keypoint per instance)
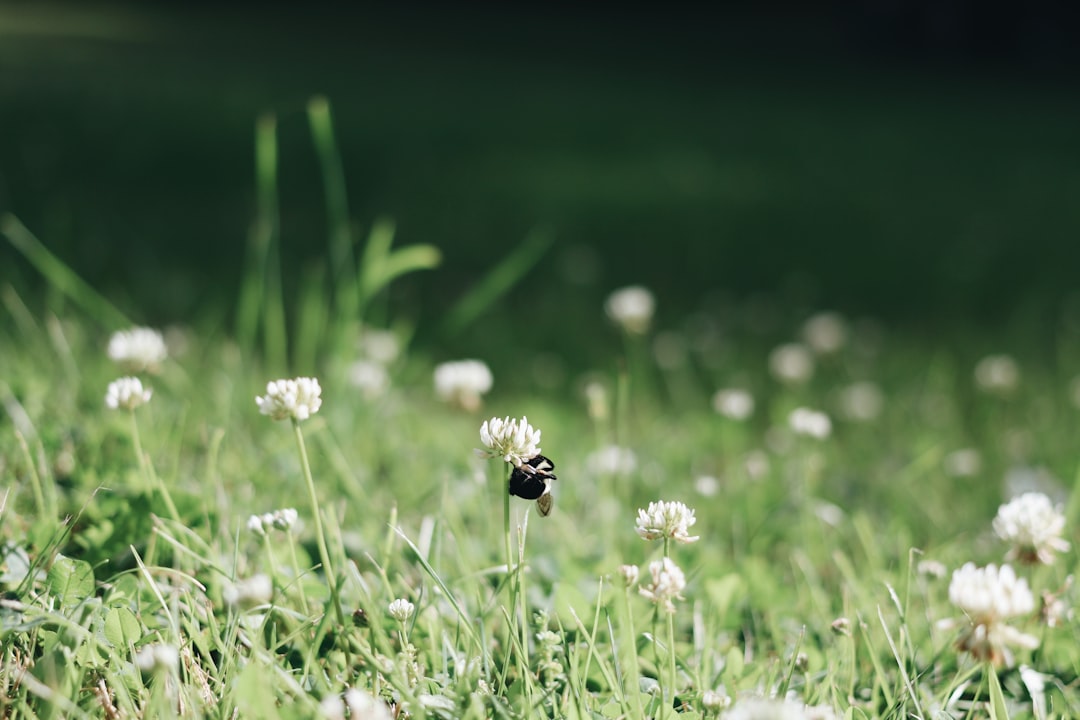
(915, 163)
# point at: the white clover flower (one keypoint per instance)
(756, 464)
(127, 393)
(989, 596)
(157, 657)
(791, 364)
(825, 332)
(363, 706)
(255, 525)
(138, 349)
(285, 518)
(379, 346)
(463, 382)
(997, 374)
(631, 308)
(401, 609)
(611, 460)
(666, 519)
(966, 462)
(733, 403)
(933, 568)
(255, 590)
(714, 700)
(596, 400)
(370, 378)
(667, 582)
(299, 399)
(629, 574)
(762, 708)
(804, 421)
(1033, 526)
(861, 402)
(510, 439)
(707, 485)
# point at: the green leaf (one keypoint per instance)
(998, 711)
(71, 580)
(122, 628)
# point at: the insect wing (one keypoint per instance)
(543, 504)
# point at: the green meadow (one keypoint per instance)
(181, 535)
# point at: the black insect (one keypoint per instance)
(532, 481)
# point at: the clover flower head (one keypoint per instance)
(666, 520)
(811, 423)
(765, 708)
(138, 349)
(989, 597)
(127, 393)
(825, 332)
(861, 401)
(666, 584)
(611, 460)
(965, 462)
(733, 403)
(462, 382)
(631, 308)
(365, 707)
(255, 590)
(369, 377)
(1033, 526)
(401, 609)
(157, 657)
(714, 700)
(792, 363)
(629, 574)
(512, 440)
(380, 346)
(255, 525)
(298, 399)
(998, 374)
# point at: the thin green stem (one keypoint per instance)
(324, 553)
(147, 470)
(673, 677)
(635, 666)
(296, 573)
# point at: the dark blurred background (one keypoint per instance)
(914, 162)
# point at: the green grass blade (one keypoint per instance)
(499, 281)
(59, 275)
(998, 709)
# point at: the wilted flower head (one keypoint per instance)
(666, 519)
(997, 374)
(513, 440)
(791, 363)
(631, 308)
(733, 403)
(298, 399)
(462, 382)
(255, 590)
(825, 332)
(861, 402)
(965, 462)
(401, 609)
(989, 596)
(369, 377)
(611, 460)
(804, 421)
(666, 584)
(138, 349)
(1033, 526)
(127, 393)
(157, 657)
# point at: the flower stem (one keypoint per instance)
(324, 553)
(673, 677)
(635, 667)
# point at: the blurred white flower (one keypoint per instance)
(997, 374)
(380, 346)
(706, 485)
(157, 657)
(138, 349)
(462, 382)
(282, 519)
(631, 308)
(401, 609)
(757, 465)
(255, 590)
(861, 402)
(666, 584)
(611, 460)
(825, 332)
(715, 700)
(933, 568)
(1033, 526)
(255, 525)
(791, 363)
(298, 399)
(666, 519)
(629, 574)
(989, 596)
(763, 708)
(369, 377)
(733, 403)
(804, 421)
(596, 399)
(127, 393)
(965, 462)
(512, 440)
(363, 706)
